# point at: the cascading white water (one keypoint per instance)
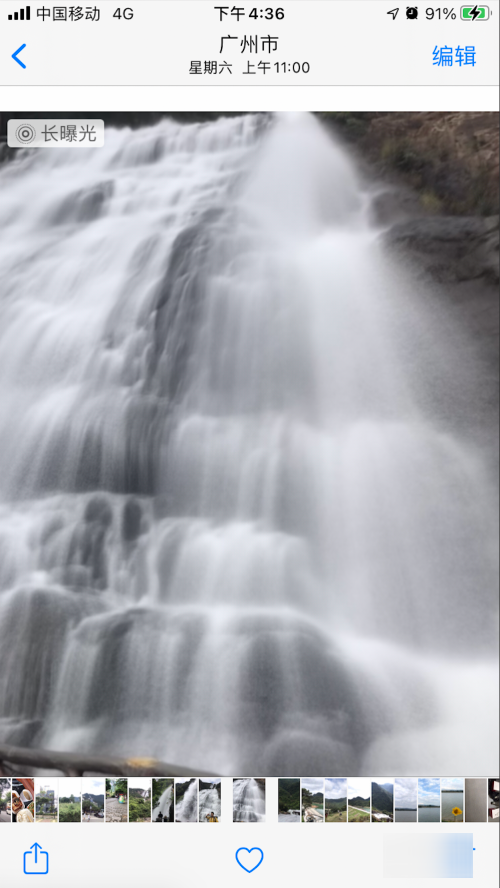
(249, 801)
(164, 804)
(240, 529)
(209, 802)
(186, 810)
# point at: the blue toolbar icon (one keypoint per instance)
(249, 858)
(36, 862)
(16, 54)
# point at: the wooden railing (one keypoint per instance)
(15, 760)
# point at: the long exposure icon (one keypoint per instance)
(26, 133)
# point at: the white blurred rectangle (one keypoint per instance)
(55, 133)
(428, 856)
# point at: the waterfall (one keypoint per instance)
(244, 527)
(249, 803)
(186, 810)
(209, 801)
(164, 806)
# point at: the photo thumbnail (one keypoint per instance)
(452, 799)
(289, 800)
(93, 796)
(210, 790)
(70, 800)
(358, 800)
(336, 800)
(139, 800)
(382, 808)
(23, 800)
(249, 800)
(405, 799)
(475, 799)
(5, 800)
(313, 799)
(116, 800)
(429, 800)
(163, 800)
(46, 800)
(494, 799)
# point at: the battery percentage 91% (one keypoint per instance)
(439, 13)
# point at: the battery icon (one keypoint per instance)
(474, 13)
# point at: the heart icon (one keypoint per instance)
(249, 855)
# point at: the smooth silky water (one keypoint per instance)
(242, 528)
(186, 809)
(165, 804)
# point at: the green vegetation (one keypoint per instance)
(139, 808)
(89, 806)
(336, 816)
(288, 794)
(358, 802)
(69, 810)
(116, 786)
(449, 158)
(356, 816)
(46, 805)
(180, 790)
(431, 171)
(92, 803)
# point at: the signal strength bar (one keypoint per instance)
(21, 16)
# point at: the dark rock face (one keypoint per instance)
(179, 297)
(98, 511)
(90, 542)
(452, 249)
(31, 614)
(293, 671)
(83, 206)
(131, 520)
(124, 676)
(73, 576)
(458, 258)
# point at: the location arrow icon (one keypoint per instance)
(394, 13)
(16, 53)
